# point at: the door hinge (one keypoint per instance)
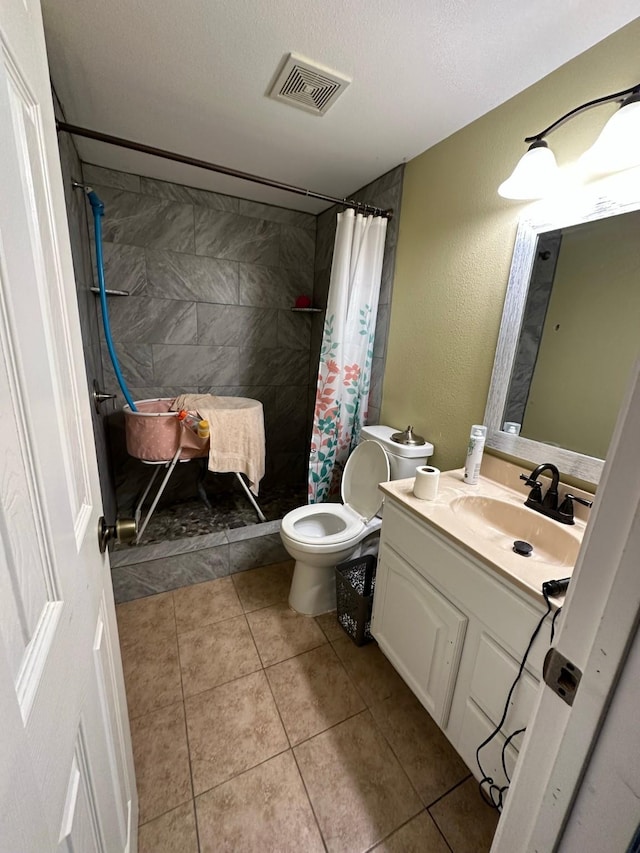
(562, 676)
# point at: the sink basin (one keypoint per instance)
(503, 522)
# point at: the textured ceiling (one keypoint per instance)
(192, 77)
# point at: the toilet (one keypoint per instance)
(319, 536)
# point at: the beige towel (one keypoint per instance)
(236, 425)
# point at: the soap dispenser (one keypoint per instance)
(474, 454)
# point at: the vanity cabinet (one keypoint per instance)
(421, 632)
(456, 632)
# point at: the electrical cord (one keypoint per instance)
(494, 794)
(553, 623)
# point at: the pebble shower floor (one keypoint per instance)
(230, 509)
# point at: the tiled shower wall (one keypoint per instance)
(212, 279)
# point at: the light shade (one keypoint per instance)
(618, 146)
(535, 176)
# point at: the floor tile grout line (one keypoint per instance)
(210, 624)
(329, 728)
(394, 753)
(255, 645)
(168, 811)
(315, 734)
(297, 655)
(241, 773)
(222, 683)
(350, 677)
(450, 791)
(313, 811)
(440, 832)
(397, 829)
(277, 707)
(293, 755)
(386, 739)
(186, 729)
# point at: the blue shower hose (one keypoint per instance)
(97, 206)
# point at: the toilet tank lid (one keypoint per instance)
(382, 434)
(365, 469)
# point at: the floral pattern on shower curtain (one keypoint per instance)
(344, 372)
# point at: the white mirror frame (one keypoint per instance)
(615, 195)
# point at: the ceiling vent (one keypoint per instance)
(307, 85)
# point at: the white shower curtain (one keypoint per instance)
(344, 374)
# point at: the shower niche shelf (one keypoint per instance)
(307, 310)
(110, 292)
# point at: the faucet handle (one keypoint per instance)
(536, 488)
(566, 507)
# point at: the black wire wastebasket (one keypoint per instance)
(355, 582)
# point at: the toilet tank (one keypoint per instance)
(403, 458)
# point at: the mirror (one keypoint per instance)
(570, 332)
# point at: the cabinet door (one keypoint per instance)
(419, 630)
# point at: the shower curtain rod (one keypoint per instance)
(75, 130)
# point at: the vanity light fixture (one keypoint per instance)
(617, 148)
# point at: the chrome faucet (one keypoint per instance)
(549, 504)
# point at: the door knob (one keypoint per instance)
(123, 531)
(99, 396)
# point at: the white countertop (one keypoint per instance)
(490, 545)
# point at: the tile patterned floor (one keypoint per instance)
(255, 729)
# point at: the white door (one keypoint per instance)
(66, 770)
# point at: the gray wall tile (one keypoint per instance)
(294, 330)
(325, 238)
(251, 553)
(124, 268)
(167, 573)
(291, 422)
(297, 247)
(237, 238)
(135, 363)
(142, 220)
(175, 275)
(236, 325)
(195, 365)
(110, 178)
(274, 367)
(277, 214)
(154, 321)
(237, 534)
(143, 553)
(375, 390)
(275, 288)
(322, 279)
(382, 326)
(188, 195)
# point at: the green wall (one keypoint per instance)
(455, 242)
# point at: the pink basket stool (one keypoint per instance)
(155, 436)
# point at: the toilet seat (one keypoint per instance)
(324, 525)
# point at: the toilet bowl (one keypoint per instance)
(319, 536)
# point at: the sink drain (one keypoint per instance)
(523, 548)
